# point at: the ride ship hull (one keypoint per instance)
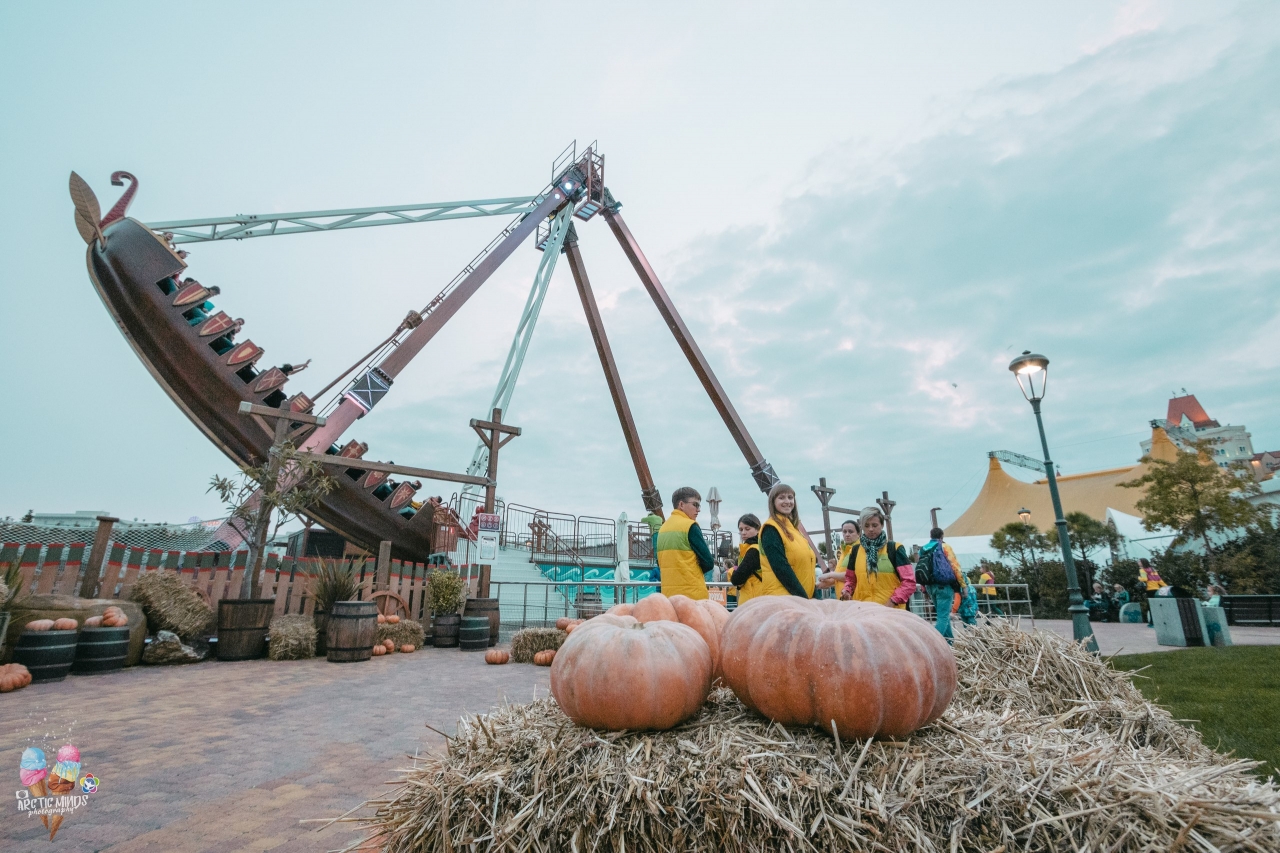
(136, 275)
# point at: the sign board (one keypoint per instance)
(489, 521)
(487, 542)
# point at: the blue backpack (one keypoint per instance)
(933, 567)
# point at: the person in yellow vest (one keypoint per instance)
(1148, 575)
(986, 580)
(683, 555)
(879, 568)
(788, 563)
(746, 575)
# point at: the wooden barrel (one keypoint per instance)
(352, 628)
(473, 633)
(47, 654)
(488, 608)
(101, 650)
(242, 627)
(589, 604)
(444, 630)
(321, 618)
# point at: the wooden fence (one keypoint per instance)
(216, 575)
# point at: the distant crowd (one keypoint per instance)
(777, 556)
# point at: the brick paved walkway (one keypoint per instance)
(231, 756)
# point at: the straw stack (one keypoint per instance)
(1043, 749)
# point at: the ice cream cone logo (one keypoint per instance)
(53, 794)
(32, 774)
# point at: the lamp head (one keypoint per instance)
(1032, 372)
(1025, 515)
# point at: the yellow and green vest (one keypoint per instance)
(677, 564)
(799, 555)
(877, 586)
(751, 588)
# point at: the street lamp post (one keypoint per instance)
(1032, 372)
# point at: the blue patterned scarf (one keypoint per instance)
(871, 547)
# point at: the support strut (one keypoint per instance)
(648, 492)
(560, 226)
(349, 410)
(761, 470)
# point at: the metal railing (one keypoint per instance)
(1010, 600)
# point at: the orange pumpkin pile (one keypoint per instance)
(855, 669)
(497, 656)
(13, 676)
(860, 668)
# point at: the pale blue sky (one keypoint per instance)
(854, 207)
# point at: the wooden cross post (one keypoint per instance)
(89, 584)
(933, 515)
(824, 494)
(886, 506)
(495, 434)
(252, 585)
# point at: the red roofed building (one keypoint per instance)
(1187, 421)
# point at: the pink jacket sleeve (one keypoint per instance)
(850, 582)
(906, 585)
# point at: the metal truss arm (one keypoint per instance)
(524, 331)
(761, 470)
(244, 226)
(1018, 459)
(648, 492)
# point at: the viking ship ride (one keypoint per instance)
(209, 367)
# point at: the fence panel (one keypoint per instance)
(69, 581)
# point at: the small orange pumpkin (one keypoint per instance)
(40, 625)
(497, 656)
(654, 608)
(544, 658)
(819, 662)
(393, 619)
(563, 623)
(66, 624)
(593, 690)
(389, 645)
(382, 619)
(379, 650)
(408, 647)
(13, 676)
(94, 622)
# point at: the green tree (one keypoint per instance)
(284, 482)
(1023, 546)
(1195, 497)
(1088, 534)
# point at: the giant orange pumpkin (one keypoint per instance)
(719, 615)
(873, 670)
(653, 608)
(616, 673)
(623, 609)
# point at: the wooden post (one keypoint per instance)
(886, 506)
(383, 578)
(89, 585)
(824, 494)
(491, 440)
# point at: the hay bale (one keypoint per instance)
(1043, 749)
(292, 638)
(527, 642)
(172, 605)
(406, 631)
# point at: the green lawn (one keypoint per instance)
(1232, 694)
